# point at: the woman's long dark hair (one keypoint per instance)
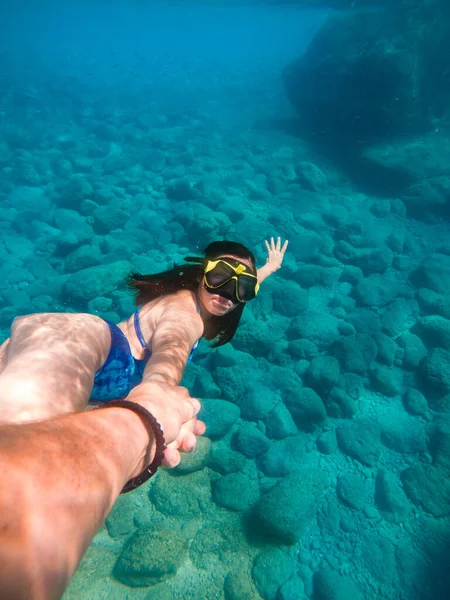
(188, 277)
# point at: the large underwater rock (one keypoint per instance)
(271, 569)
(369, 75)
(92, 282)
(151, 555)
(285, 511)
(423, 162)
(373, 90)
(428, 487)
(330, 585)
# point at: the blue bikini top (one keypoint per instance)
(121, 372)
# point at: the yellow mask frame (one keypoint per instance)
(238, 273)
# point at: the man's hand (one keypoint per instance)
(176, 412)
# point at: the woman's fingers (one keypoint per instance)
(199, 428)
(172, 457)
(185, 442)
(190, 408)
(187, 439)
(275, 246)
(188, 443)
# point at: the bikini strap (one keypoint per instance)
(194, 347)
(137, 327)
(140, 336)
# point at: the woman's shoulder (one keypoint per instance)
(180, 308)
(182, 300)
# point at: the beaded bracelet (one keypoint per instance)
(151, 425)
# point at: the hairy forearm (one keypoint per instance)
(60, 479)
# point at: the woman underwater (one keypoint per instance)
(58, 363)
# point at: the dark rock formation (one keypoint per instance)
(373, 89)
(370, 75)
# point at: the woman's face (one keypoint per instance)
(215, 304)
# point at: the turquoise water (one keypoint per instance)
(132, 135)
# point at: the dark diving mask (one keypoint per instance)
(231, 281)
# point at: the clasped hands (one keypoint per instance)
(176, 411)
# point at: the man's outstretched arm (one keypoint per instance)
(60, 479)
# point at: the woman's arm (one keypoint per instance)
(177, 330)
(275, 255)
(61, 477)
(3, 349)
